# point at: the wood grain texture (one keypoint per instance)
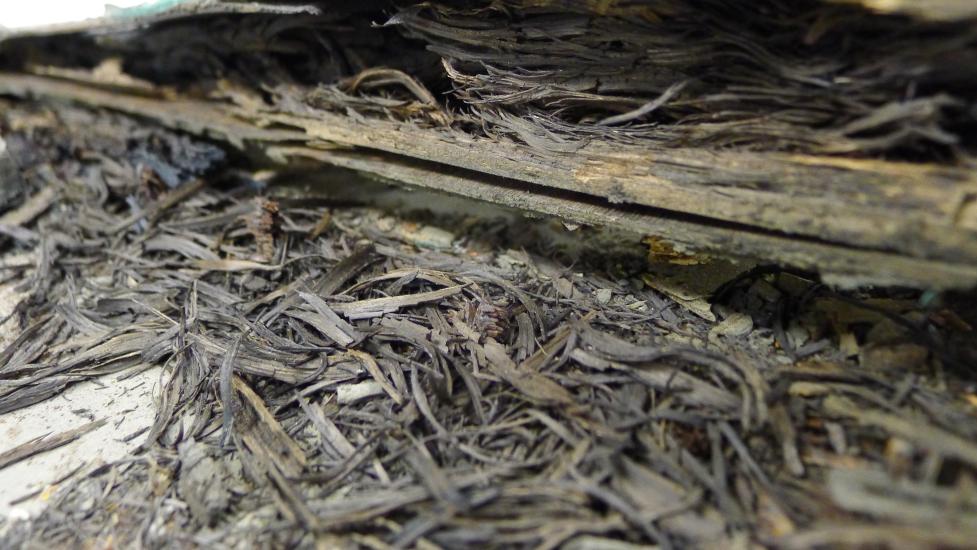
(856, 221)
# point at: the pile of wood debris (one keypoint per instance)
(336, 376)
(218, 189)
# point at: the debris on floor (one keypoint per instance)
(335, 375)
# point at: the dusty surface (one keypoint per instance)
(124, 400)
(128, 407)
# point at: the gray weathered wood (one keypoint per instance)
(856, 221)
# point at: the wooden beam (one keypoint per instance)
(857, 221)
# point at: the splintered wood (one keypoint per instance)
(789, 133)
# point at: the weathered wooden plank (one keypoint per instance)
(922, 210)
(854, 220)
(839, 265)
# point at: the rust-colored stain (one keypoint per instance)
(662, 251)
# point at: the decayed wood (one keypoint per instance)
(854, 220)
(838, 264)
(921, 210)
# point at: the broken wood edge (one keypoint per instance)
(916, 209)
(845, 258)
(919, 210)
(839, 266)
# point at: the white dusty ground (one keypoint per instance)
(126, 404)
